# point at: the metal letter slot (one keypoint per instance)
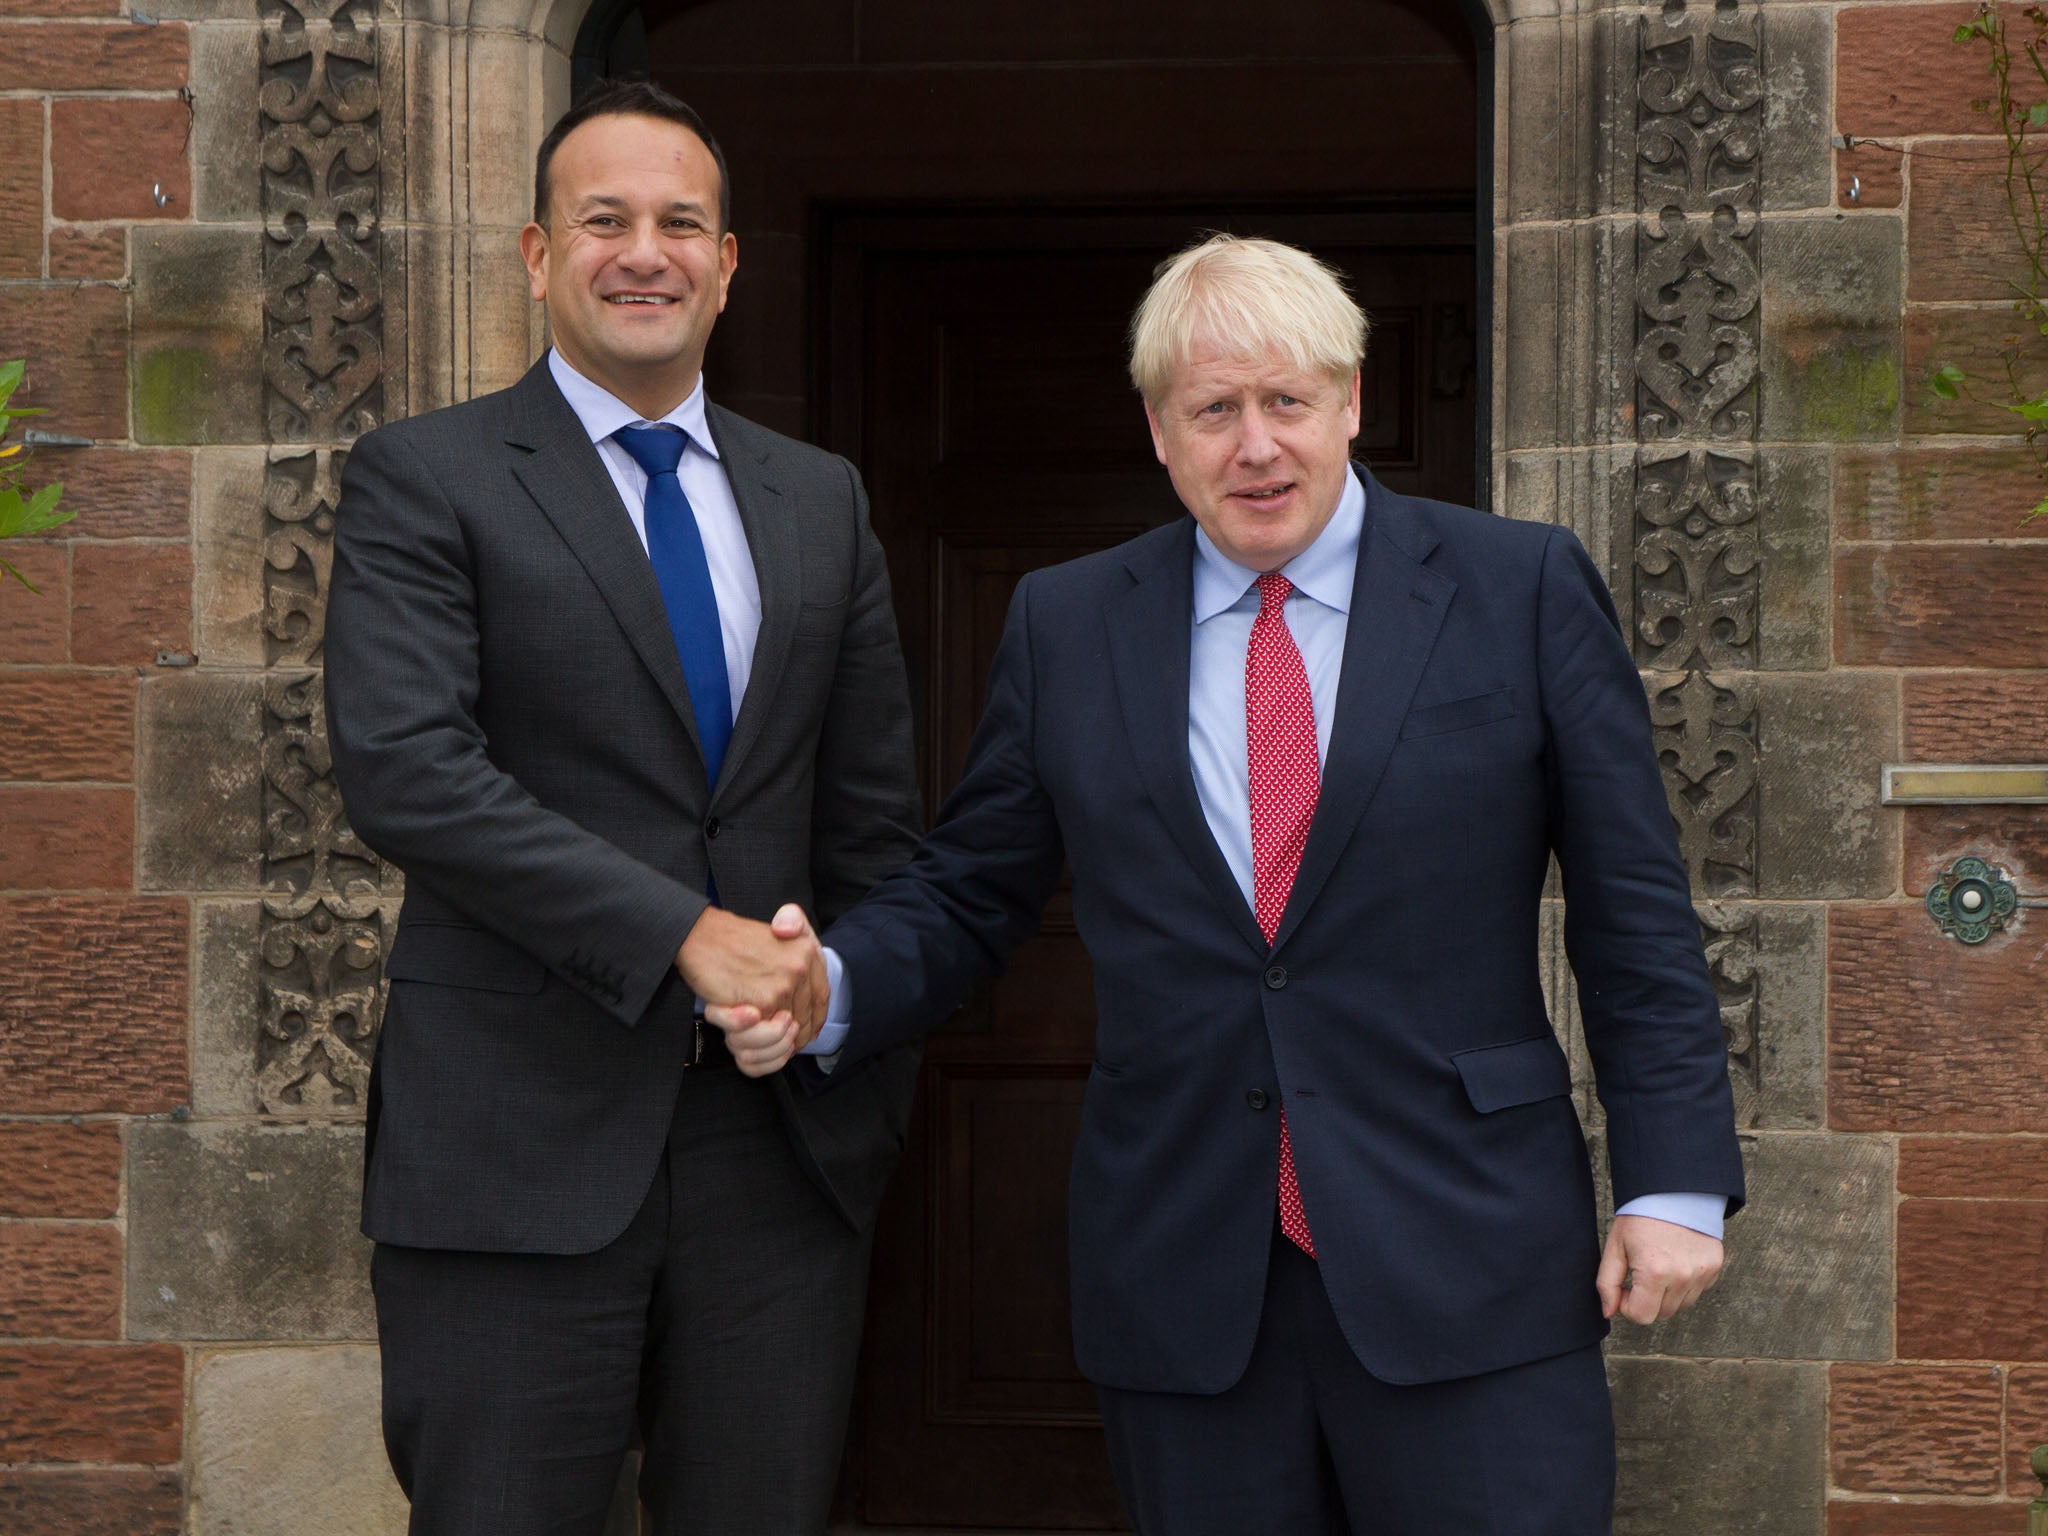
(1965, 784)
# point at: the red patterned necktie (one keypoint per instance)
(1280, 746)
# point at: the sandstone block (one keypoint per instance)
(69, 839)
(1915, 1428)
(1941, 605)
(289, 1440)
(226, 1007)
(129, 601)
(89, 255)
(1960, 242)
(1947, 1311)
(1925, 1034)
(88, 56)
(1965, 492)
(228, 535)
(1697, 1441)
(1975, 717)
(92, 1004)
(1897, 71)
(1876, 176)
(227, 125)
(200, 779)
(1779, 1068)
(91, 1402)
(1808, 1275)
(2026, 1426)
(1984, 1518)
(21, 189)
(1556, 278)
(1973, 1167)
(198, 335)
(35, 626)
(63, 724)
(1821, 743)
(1830, 356)
(126, 493)
(1793, 526)
(101, 1501)
(77, 342)
(2014, 837)
(60, 1170)
(1797, 65)
(110, 155)
(1976, 340)
(60, 1280)
(246, 1232)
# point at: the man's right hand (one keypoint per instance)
(729, 960)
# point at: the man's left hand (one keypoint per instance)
(1655, 1269)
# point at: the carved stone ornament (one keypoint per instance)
(323, 934)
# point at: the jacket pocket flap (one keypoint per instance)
(450, 955)
(1520, 1072)
(1458, 714)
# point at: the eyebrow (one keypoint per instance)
(610, 200)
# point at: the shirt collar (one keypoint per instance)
(1323, 571)
(603, 413)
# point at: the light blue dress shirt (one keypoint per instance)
(1318, 611)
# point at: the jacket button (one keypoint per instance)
(1256, 1098)
(1276, 976)
(711, 827)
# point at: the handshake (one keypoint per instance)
(764, 984)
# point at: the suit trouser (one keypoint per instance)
(724, 1322)
(1311, 1444)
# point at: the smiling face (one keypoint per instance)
(631, 262)
(1257, 449)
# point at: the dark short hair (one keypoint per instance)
(627, 98)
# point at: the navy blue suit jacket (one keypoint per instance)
(1489, 715)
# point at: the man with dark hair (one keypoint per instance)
(611, 672)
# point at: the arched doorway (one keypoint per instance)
(945, 215)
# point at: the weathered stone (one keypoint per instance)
(1869, 176)
(76, 340)
(21, 189)
(1809, 1271)
(89, 255)
(2026, 1426)
(90, 56)
(1926, 1034)
(201, 779)
(1982, 1518)
(1970, 491)
(1821, 742)
(1898, 71)
(226, 1007)
(130, 601)
(1975, 717)
(2012, 837)
(499, 147)
(1960, 239)
(1780, 1075)
(1971, 1282)
(35, 626)
(288, 1440)
(112, 157)
(1592, 492)
(60, 1170)
(65, 724)
(100, 1501)
(126, 493)
(1941, 605)
(198, 336)
(1830, 360)
(67, 838)
(92, 1004)
(1976, 339)
(1719, 1447)
(91, 1402)
(1974, 1167)
(1792, 523)
(1797, 64)
(1557, 72)
(246, 1232)
(1562, 309)
(226, 125)
(1915, 1428)
(60, 1280)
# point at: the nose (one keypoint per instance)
(644, 251)
(1255, 443)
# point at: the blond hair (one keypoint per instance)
(1250, 298)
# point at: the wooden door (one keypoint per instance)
(974, 368)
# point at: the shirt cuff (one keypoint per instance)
(838, 1012)
(1701, 1213)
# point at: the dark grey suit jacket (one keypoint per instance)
(511, 727)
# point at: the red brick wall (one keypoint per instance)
(93, 1023)
(1938, 583)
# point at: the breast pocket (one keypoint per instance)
(455, 955)
(1459, 714)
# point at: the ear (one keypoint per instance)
(1351, 409)
(728, 263)
(533, 250)
(1159, 438)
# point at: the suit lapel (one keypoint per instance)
(1397, 608)
(565, 476)
(772, 540)
(1148, 644)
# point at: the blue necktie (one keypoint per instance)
(677, 550)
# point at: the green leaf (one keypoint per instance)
(2037, 115)
(10, 570)
(42, 513)
(10, 378)
(2039, 509)
(2028, 410)
(1945, 381)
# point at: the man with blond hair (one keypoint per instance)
(1308, 754)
